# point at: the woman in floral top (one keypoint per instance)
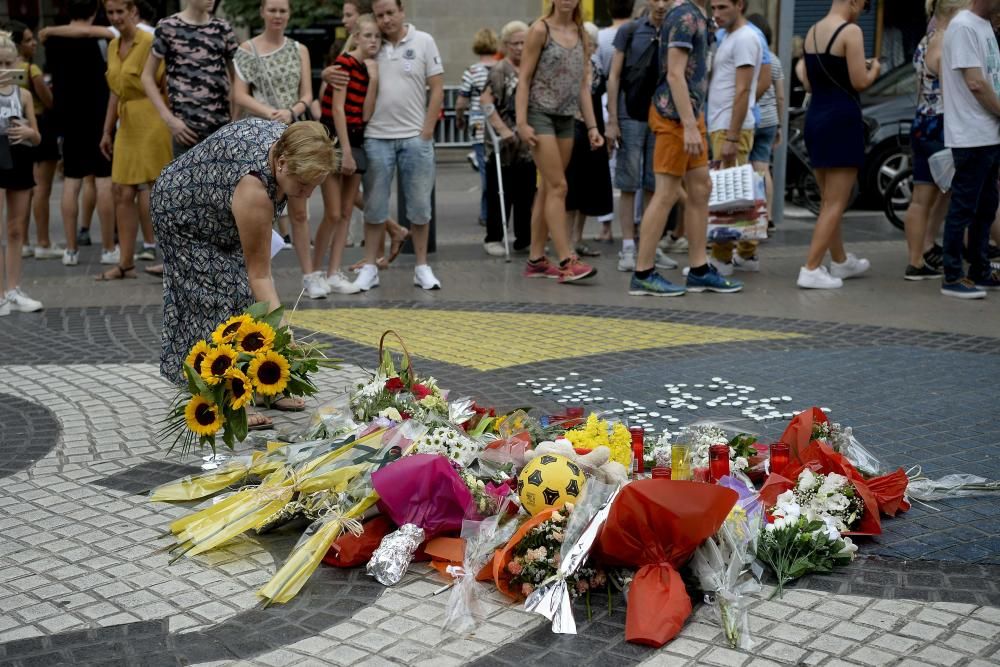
(927, 138)
(274, 82)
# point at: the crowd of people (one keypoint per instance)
(646, 106)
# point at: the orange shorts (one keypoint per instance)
(669, 156)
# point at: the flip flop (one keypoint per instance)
(118, 273)
(286, 407)
(396, 245)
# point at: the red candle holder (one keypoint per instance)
(718, 462)
(661, 473)
(638, 441)
(780, 457)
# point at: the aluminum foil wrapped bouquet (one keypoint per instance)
(552, 599)
(393, 556)
(723, 565)
(422, 490)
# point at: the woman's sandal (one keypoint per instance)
(118, 273)
(285, 404)
(396, 245)
(258, 422)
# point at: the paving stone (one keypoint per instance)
(871, 656)
(724, 657)
(939, 656)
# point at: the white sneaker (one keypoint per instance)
(18, 300)
(4, 307)
(664, 262)
(51, 252)
(723, 268)
(339, 284)
(71, 257)
(27, 251)
(626, 260)
(424, 278)
(850, 267)
(818, 278)
(494, 249)
(752, 264)
(367, 277)
(670, 244)
(314, 285)
(111, 256)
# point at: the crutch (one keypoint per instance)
(495, 139)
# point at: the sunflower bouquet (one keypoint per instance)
(248, 356)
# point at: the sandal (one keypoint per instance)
(258, 422)
(285, 404)
(396, 242)
(118, 273)
(155, 270)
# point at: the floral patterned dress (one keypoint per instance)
(204, 272)
(275, 76)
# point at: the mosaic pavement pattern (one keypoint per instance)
(84, 578)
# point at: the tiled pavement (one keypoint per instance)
(84, 578)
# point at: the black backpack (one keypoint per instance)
(640, 80)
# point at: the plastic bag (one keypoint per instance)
(482, 538)
(330, 420)
(950, 486)
(942, 166)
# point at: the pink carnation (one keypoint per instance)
(514, 567)
(598, 580)
(527, 589)
(533, 555)
(582, 586)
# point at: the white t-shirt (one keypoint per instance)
(968, 42)
(403, 70)
(740, 48)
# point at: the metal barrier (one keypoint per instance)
(446, 134)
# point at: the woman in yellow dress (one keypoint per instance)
(141, 146)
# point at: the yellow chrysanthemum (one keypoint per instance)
(197, 355)
(599, 433)
(202, 416)
(226, 332)
(269, 373)
(217, 362)
(254, 338)
(239, 388)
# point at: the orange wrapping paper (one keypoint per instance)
(655, 525)
(504, 556)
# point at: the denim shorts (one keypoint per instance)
(763, 144)
(634, 158)
(414, 159)
(926, 139)
(563, 127)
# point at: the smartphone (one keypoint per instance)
(16, 76)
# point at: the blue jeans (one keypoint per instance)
(480, 150)
(415, 159)
(634, 160)
(974, 200)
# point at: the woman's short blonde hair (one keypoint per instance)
(512, 28)
(944, 8)
(485, 42)
(307, 150)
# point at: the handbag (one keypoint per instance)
(269, 93)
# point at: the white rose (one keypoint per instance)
(850, 548)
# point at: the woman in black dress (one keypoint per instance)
(834, 69)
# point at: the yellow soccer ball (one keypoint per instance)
(548, 481)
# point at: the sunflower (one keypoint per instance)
(254, 338)
(197, 355)
(269, 373)
(217, 362)
(202, 416)
(226, 332)
(239, 388)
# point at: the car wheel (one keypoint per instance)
(897, 198)
(888, 163)
(809, 191)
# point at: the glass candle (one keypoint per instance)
(680, 462)
(661, 473)
(638, 439)
(779, 457)
(718, 462)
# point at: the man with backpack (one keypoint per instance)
(634, 74)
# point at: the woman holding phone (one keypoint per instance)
(141, 147)
(18, 134)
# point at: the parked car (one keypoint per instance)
(888, 107)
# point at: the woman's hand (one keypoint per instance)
(20, 132)
(527, 134)
(347, 164)
(107, 145)
(282, 115)
(596, 140)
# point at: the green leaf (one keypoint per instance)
(274, 317)
(240, 428)
(259, 309)
(195, 382)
